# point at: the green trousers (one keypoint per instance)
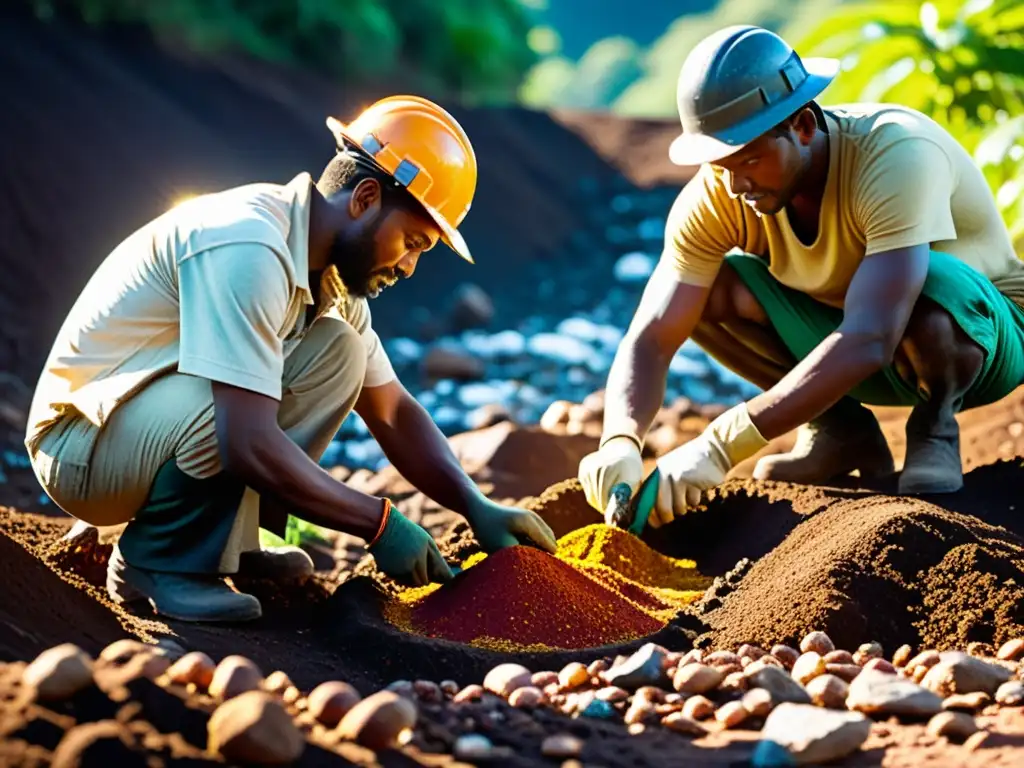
(987, 317)
(185, 523)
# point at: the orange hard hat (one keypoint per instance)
(426, 151)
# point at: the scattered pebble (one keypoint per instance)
(1010, 694)
(574, 675)
(527, 697)
(757, 701)
(233, 676)
(542, 679)
(59, 672)
(955, 726)
(697, 678)
(449, 687)
(561, 745)
(868, 651)
(879, 664)
(846, 672)
(780, 685)
(810, 735)
(469, 693)
(195, 668)
(751, 652)
(505, 678)
(731, 714)
(958, 672)
(818, 642)
(967, 702)
(828, 691)
(472, 746)
(680, 723)
(277, 682)
(786, 655)
(902, 656)
(698, 707)
(878, 693)
(331, 701)
(428, 691)
(612, 694)
(379, 721)
(253, 727)
(808, 667)
(645, 667)
(1011, 650)
(839, 657)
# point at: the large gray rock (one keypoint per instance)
(780, 685)
(879, 693)
(811, 735)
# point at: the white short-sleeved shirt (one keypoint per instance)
(216, 287)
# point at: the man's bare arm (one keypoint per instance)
(669, 311)
(254, 448)
(879, 302)
(415, 446)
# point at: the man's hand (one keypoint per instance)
(618, 461)
(496, 527)
(408, 554)
(703, 463)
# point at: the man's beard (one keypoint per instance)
(353, 258)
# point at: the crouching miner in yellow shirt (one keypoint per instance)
(831, 257)
(214, 354)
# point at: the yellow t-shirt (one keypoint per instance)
(896, 178)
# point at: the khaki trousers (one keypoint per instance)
(103, 475)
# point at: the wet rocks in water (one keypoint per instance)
(878, 693)
(452, 362)
(253, 727)
(59, 672)
(471, 308)
(810, 735)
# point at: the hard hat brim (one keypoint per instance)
(694, 149)
(449, 234)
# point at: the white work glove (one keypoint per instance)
(702, 463)
(617, 461)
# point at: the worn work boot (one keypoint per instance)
(933, 461)
(284, 565)
(184, 596)
(845, 438)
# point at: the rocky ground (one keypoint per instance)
(917, 610)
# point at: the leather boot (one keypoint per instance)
(188, 597)
(845, 438)
(933, 454)
(284, 565)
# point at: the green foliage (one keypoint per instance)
(474, 49)
(296, 532)
(961, 63)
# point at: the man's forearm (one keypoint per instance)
(838, 364)
(277, 469)
(419, 451)
(635, 389)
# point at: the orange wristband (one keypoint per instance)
(383, 521)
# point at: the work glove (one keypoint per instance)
(408, 554)
(496, 527)
(617, 461)
(702, 463)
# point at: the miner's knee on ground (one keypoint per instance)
(156, 461)
(965, 339)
